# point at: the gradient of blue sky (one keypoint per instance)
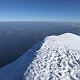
(40, 10)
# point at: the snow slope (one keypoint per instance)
(57, 58)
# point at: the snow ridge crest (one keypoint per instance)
(57, 59)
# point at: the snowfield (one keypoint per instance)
(57, 58)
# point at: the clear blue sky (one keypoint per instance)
(40, 10)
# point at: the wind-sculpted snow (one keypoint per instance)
(57, 58)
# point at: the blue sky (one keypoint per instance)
(40, 10)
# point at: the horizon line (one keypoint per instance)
(39, 21)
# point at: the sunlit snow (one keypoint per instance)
(58, 58)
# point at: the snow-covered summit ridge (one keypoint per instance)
(57, 59)
(68, 39)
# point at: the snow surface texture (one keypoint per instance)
(57, 59)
